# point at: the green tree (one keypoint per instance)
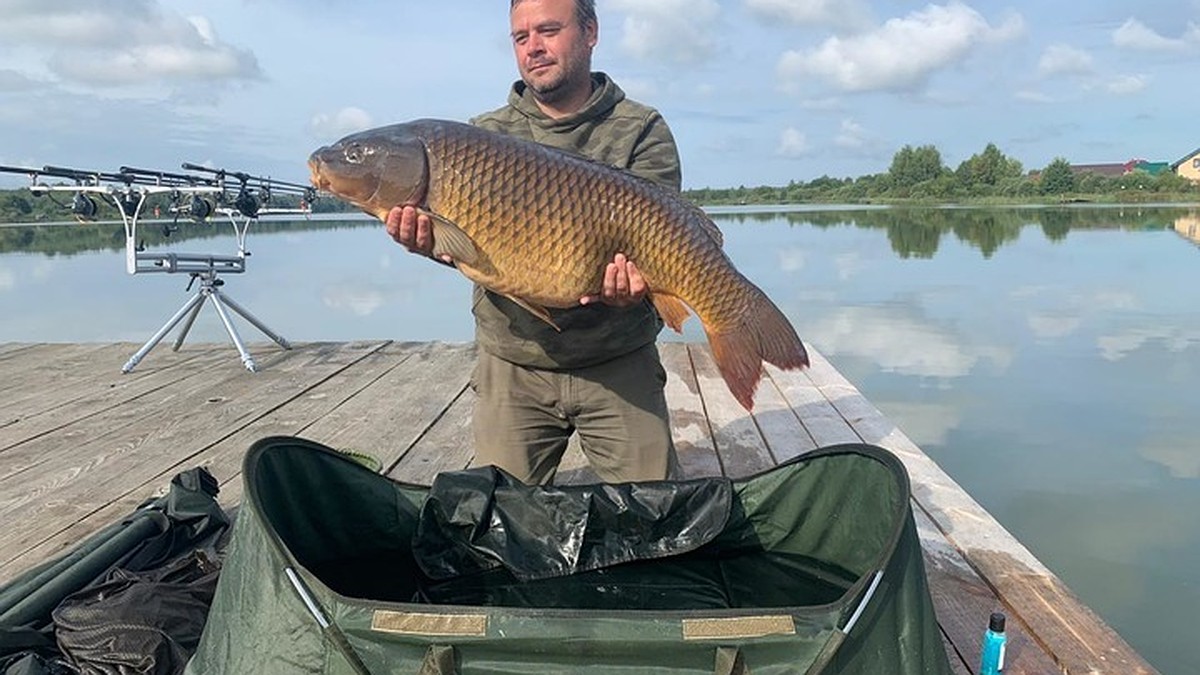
(1058, 178)
(915, 165)
(989, 167)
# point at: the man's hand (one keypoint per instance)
(413, 231)
(623, 286)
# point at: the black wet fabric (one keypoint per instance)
(483, 519)
(140, 547)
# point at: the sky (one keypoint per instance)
(756, 92)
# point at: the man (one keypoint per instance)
(601, 375)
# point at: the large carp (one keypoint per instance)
(538, 225)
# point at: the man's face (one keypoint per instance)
(552, 49)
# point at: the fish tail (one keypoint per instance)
(761, 333)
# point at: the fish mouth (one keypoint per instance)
(314, 169)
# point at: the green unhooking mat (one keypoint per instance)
(811, 567)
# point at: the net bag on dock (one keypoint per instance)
(813, 566)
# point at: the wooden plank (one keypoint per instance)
(447, 446)
(963, 603)
(38, 367)
(223, 459)
(824, 424)
(784, 434)
(738, 441)
(9, 349)
(54, 408)
(690, 429)
(149, 411)
(66, 487)
(387, 417)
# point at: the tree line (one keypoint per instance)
(919, 175)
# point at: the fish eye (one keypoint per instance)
(354, 154)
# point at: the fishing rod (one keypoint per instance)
(247, 178)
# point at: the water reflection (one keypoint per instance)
(918, 232)
(912, 232)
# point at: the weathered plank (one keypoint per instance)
(784, 434)
(390, 414)
(44, 364)
(14, 349)
(737, 439)
(690, 429)
(448, 446)
(223, 459)
(963, 603)
(824, 424)
(49, 409)
(66, 487)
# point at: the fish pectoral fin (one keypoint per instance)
(672, 310)
(449, 239)
(536, 310)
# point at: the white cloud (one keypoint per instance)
(1033, 96)
(676, 31)
(899, 343)
(357, 300)
(792, 144)
(839, 13)
(1049, 326)
(1134, 34)
(1125, 85)
(851, 135)
(1177, 455)
(345, 121)
(792, 259)
(123, 42)
(1121, 344)
(901, 54)
(1064, 60)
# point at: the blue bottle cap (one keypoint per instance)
(996, 623)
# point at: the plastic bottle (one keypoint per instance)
(993, 646)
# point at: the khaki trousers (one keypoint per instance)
(525, 416)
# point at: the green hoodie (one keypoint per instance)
(610, 129)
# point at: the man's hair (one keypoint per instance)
(585, 11)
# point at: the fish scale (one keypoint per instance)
(539, 225)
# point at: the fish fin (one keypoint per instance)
(449, 239)
(536, 310)
(671, 309)
(712, 230)
(762, 333)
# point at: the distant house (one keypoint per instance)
(1115, 170)
(1106, 170)
(1153, 168)
(1189, 166)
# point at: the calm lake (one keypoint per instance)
(1047, 358)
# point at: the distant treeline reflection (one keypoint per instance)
(917, 232)
(55, 240)
(913, 232)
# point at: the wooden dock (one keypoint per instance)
(81, 445)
